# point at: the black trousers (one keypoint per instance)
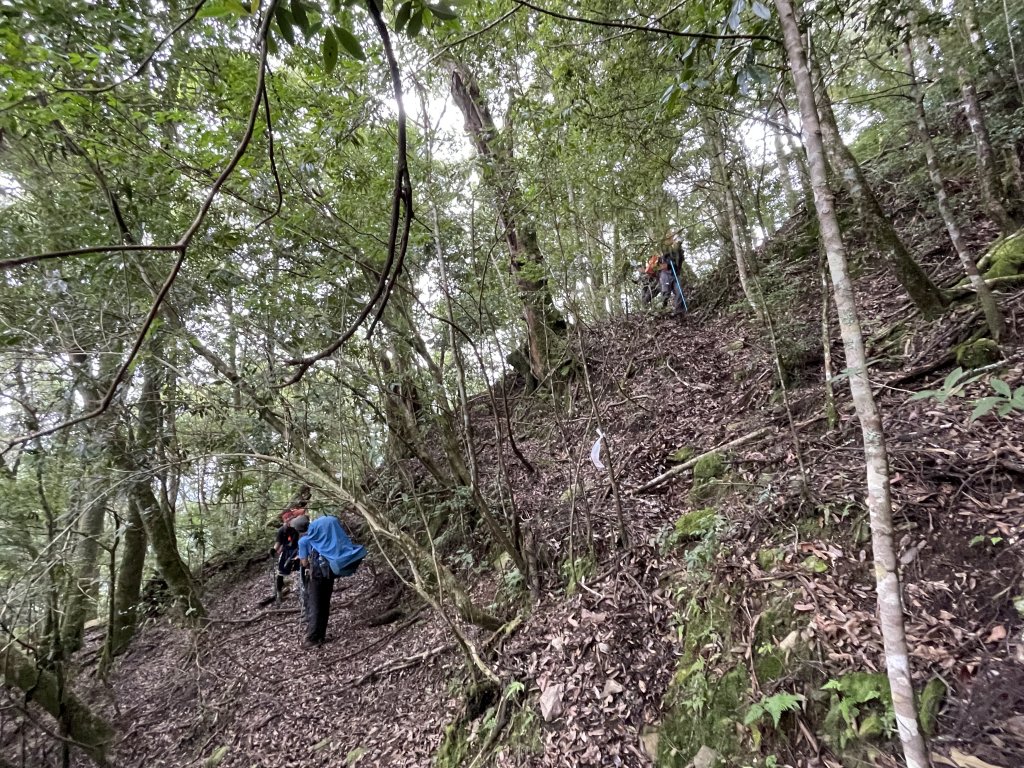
(318, 608)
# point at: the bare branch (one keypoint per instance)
(641, 28)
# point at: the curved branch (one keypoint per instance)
(641, 28)
(145, 62)
(21, 260)
(401, 213)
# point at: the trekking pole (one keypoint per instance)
(678, 286)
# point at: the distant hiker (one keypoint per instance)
(325, 552)
(286, 545)
(647, 279)
(286, 550)
(672, 270)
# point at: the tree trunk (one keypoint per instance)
(879, 502)
(545, 326)
(129, 583)
(988, 174)
(786, 173)
(158, 521)
(993, 317)
(915, 281)
(90, 504)
(90, 731)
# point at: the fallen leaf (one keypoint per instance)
(551, 702)
(963, 760)
(998, 633)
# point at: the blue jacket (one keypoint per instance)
(329, 540)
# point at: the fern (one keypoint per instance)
(775, 706)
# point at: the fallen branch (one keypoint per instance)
(406, 663)
(690, 464)
(735, 443)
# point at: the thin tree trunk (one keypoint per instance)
(987, 171)
(545, 326)
(89, 501)
(993, 317)
(785, 163)
(879, 502)
(915, 281)
(738, 239)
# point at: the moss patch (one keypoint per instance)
(1006, 256)
(694, 525)
(683, 454)
(929, 704)
(706, 699)
(709, 467)
(767, 559)
(975, 354)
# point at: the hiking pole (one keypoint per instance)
(681, 296)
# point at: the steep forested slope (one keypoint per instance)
(388, 260)
(738, 586)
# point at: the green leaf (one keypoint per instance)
(402, 17)
(300, 18)
(753, 714)
(952, 378)
(350, 43)
(983, 406)
(415, 23)
(761, 10)
(223, 8)
(284, 23)
(1001, 387)
(922, 395)
(443, 13)
(329, 49)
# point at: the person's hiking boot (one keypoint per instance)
(307, 644)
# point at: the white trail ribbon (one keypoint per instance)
(595, 451)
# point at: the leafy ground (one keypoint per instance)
(736, 589)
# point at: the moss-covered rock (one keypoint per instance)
(1005, 257)
(705, 703)
(709, 467)
(977, 353)
(860, 710)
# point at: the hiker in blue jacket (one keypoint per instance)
(325, 553)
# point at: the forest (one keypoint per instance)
(665, 356)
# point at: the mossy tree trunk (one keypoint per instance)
(80, 723)
(129, 583)
(157, 520)
(993, 317)
(545, 326)
(915, 281)
(89, 506)
(879, 501)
